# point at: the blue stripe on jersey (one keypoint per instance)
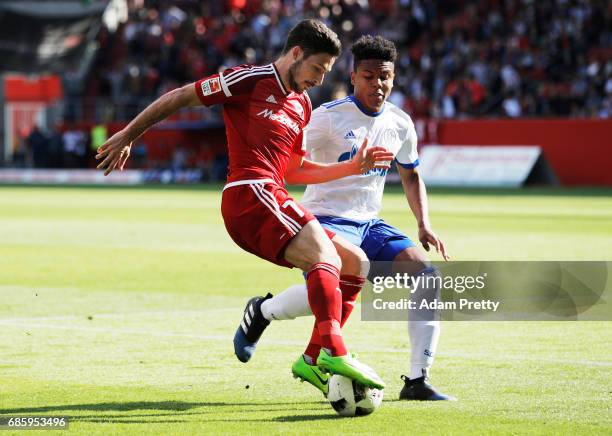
(335, 103)
(410, 165)
(363, 109)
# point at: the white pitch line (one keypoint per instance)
(470, 356)
(131, 332)
(112, 315)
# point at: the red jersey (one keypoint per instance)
(263, 121)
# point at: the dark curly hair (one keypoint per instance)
(313, 37)
(373, 47)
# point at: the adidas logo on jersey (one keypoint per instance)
(350, 135)
(271, 99)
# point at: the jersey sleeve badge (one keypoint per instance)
(211, 86)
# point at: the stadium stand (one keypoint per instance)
(458, 59)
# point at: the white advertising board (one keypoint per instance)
(68, 177)
(494, 166)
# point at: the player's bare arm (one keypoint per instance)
(116, 150)
(304, 171)
(417, 199)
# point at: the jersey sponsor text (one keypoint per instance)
(281, 118)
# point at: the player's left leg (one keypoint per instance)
(424, 332)
(311, 246)
(388, 247)
(308, 251)
(353, 273)
(293, 302)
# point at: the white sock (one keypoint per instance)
(289, 304)
(424, 325)
(423, 345)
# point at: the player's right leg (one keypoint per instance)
(262, 219)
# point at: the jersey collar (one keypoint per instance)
(364, 110)
(278, 79)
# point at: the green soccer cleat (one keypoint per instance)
(311, 374)
(349, 367)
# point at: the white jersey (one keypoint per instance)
(335, 133)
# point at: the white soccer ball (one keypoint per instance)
(351, 398)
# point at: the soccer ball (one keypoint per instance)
(351, 398)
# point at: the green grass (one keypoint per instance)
(118, 306)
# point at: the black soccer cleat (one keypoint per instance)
(420, 390)
(250, 329)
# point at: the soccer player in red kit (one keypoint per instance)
(266, 111)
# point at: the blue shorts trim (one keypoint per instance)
(380, 241)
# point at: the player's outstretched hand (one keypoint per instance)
(373, 157)
(114, 153)
(427, 236)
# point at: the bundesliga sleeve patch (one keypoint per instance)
(211, 86)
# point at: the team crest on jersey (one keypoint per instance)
(389, 138)
(211, 86)
(350, 135)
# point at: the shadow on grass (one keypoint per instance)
(175, 406)
(127, 420)
(178, 411)
(299, 418)
(153, 419)
(117, 407)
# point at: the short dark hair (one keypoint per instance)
(373, 47)
(313, 37)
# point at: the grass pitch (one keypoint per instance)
(118, 307)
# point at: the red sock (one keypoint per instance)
(350, 286)
(325, 299)
(314, 346)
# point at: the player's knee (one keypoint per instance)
(411, 254)
(411, 261)
(355, 262)
(431, 282)
(323, 252)
(331, 257)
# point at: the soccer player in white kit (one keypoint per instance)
(350, 206)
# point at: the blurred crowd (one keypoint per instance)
(53, 148)
(457, 58)
(72, 146)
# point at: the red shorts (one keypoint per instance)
(262, 218)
